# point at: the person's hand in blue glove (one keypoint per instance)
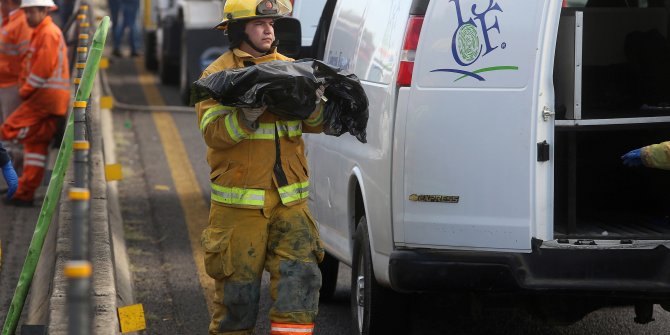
(632, 158)
(11, 178)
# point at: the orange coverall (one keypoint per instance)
(45, 91)
(14, 42)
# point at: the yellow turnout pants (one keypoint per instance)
(239, 243)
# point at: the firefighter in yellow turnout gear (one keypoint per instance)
(259, 177)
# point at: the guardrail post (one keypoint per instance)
(79, 270)
(82, 51)
(83, 10)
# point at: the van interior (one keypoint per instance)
(612, 85)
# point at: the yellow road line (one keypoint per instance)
(196, 211)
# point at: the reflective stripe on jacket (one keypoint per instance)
(657, 156)
(243, 160)
(14, 43)
(45, 78)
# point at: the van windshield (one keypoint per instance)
(615, 3)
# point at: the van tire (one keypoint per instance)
(380, 313)
(168, 73)
(184, 83)
(150, 60)
(329, 269)
(168, 67)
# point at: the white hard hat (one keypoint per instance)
(38, 3)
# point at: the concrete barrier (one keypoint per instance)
(112, 281)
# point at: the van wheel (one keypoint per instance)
(329, 268)
(150, 60)
(184, 83)
(168, 72)
(168, 67)
(375, 310)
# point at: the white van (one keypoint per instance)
(493, 157)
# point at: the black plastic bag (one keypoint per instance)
(289, 91)
(347, 106)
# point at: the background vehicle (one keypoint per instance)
(492, 164)
(181, 42)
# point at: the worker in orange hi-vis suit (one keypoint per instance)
(14, 42)
(45, 92)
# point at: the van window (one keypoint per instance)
(345, 34)
(380, 41)
(308, 12)
(321, 35)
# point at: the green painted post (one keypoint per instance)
(55, 185)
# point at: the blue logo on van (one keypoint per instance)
(466, 45)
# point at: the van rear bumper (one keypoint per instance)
(635, 271)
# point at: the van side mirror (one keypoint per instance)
(288, 33)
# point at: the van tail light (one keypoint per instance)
(565, 3)
(409, 50)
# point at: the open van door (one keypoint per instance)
(470, 162)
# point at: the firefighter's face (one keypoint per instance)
(261, 32)
(35, 15)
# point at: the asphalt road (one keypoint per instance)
(17, 225)
(16, 230)
(163, 209)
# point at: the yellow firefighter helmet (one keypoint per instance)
(236, 10)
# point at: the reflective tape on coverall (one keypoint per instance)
(291, 329)
(292, 128)
(233, 127)
(318, 118)
(238, 196)
(294, 192)
(213, 114)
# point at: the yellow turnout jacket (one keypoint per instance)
(245, 161)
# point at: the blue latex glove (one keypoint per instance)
(11, 178)
(632, 158)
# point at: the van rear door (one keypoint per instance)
(469, 164)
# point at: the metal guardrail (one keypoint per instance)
(79, 269)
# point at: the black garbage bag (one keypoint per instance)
(287, 88)
(289, 91)
(347, 107)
